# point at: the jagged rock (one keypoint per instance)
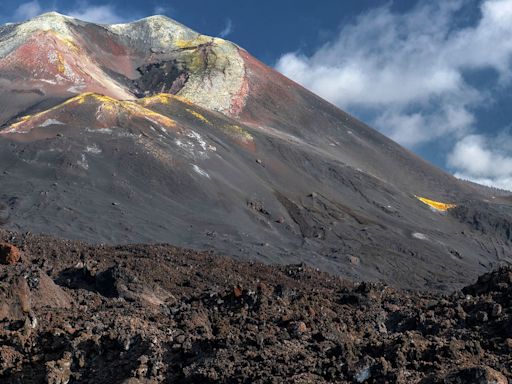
(496, 310)
(481, 316)
(496, 281)
(10, 359)
(24, 290)
(476, 375)
(225, 320)
(237, 292)
(59, 371)
(9, 254)
(298, 327)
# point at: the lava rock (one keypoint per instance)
(475, 375)
(496, 310)
(9, 254)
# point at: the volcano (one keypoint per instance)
(150, 132)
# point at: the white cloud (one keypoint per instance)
(484, 160)
(159, 10)
(407, 74)
(101, 14)
(228, 29)
(411, 128)
(83, 10)
(407, 71)
(28, 10)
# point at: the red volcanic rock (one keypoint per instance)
(237, 292)
(298, 327)
(9, 254)
(55, 63)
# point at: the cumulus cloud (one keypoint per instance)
(409, 74)
(83, 10)
(484, 160)
(228, 29)
(406, 72)
(27, 10)
(418, 127)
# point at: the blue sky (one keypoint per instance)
(435, 76)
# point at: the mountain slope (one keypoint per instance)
(150, 132)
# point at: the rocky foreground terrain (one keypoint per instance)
(73, 313)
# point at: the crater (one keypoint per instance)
(162, 77)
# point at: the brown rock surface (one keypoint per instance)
(9, 254)
(473, 375)
(159, 314)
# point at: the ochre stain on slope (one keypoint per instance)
(436, 204)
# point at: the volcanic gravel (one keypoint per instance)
(74, 313)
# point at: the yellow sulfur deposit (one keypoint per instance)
(183, 99)
(198, 116)
(162, 98)
(194, 43)
(436, 204)
(60, 64)
(106, 105)
(237, 131)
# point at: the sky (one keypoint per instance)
(434, 76)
